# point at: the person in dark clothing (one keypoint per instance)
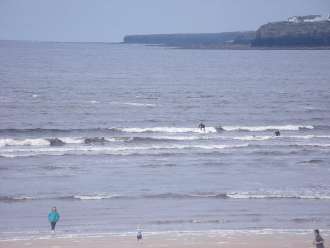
(277, 133)
(139, 234)
(318, 242)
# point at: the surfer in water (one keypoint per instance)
(277, 133)
(201, 126)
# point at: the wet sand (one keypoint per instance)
(173, 240)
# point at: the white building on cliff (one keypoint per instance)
(308, 18)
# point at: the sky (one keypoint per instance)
(111, 20)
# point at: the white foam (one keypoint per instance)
(266, 128)
(170, 130)
(22, 198)
(95, 197)
(90, 150)
(44, 141)
(278, 195)
(5, 155)
(24, 142)
(72, 140)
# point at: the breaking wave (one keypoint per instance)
(267, 128)
(24, 142)
(95, 196)
(91, 140)
(164, 138)
(186, 196)
(209, 129)
(60, 141)
(218, 129)
(278, 195)
(101, 140)
(15, 198)
(52, 141)
(103, 150)
(169, 130)
(177, 196)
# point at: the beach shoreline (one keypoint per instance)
(214, 238)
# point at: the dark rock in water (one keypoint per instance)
(95, 140)
(56, 142)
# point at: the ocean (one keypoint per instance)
(109, 134)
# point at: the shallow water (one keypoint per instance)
(108, 133)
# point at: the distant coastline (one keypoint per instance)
(297, 33)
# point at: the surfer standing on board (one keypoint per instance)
(201, 126)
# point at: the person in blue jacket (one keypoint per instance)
(53, 218)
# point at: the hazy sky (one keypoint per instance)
(110, 20)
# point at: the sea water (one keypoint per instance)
(109, 134)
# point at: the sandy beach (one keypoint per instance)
(232, 239)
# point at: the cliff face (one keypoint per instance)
(193, 40)
(299, 31)
(306, 34)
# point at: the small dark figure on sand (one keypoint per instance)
(53, 218)
(318, 242)
(201, 126)
(139, 235)
(277, 133)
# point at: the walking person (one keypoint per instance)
(318, 242)
(139, 234)
(53, 218)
